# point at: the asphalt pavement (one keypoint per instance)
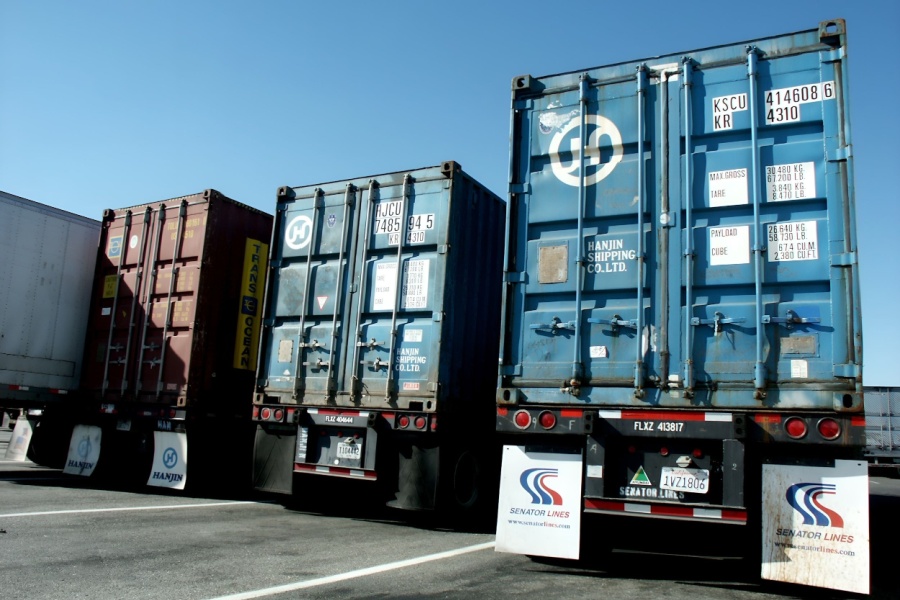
(65, 537)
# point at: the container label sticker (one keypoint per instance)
(599, 352)
(84, 450)
(815, 528)
(411, 386)
(412, 335)
(249, 319)
(115, 247)
(783, 105)
(539, 511)
(566, 147)
(414, 288)
(285, 351)
(795, 240)
(387, 221)
(799, 369)
(729, 245)
(109, 286)
(728, 188)
(298, 232)
(796, 181)
(169, 460)
(724, 108)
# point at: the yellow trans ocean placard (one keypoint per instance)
(253, 284)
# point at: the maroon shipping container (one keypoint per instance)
(172, 337)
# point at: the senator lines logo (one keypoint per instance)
(534, 482)
(805, 498)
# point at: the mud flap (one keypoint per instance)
(169, 460)
(84, 450)
(273, 460)
(815, 525)
(18, 443)
(539, 512)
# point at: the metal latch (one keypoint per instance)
(790, 320)
(614, 323)
(716, 322)
(555, 325)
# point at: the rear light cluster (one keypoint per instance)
(415, 422)
(274, 414)
(797, 429)
(546, 419)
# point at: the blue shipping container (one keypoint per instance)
(701, 251)
(379, 347)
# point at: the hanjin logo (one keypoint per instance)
(805, 499)
(565, 163)
(534, 482)
(170, 458)
(298, 232)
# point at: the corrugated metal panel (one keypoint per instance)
(883, 421)
(45, 290)
(168, 305)
(356, 318)
(701, 250)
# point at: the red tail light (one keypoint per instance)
(547, 419)
(279, 414)
(266, 413)
(420, 422)
(795, 427)
(403, 421)
(829, 428)
(255, 412)
(522, 419)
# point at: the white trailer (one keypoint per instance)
(47, 259)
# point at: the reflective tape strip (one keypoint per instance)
(335, 471)
(336, 412)
(667, 510)
(665, 415)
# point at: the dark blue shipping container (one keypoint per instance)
(378, 354)
(681, 295)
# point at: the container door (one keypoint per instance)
(582, 293)
(396, 326)
(306, 335)
(166, 334)
(768, 248)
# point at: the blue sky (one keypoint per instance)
(113, 103)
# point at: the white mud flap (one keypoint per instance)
(18, 443)
(169, 460)
(816, 525)
(84, 450)
(539, 512)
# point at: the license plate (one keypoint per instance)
(350, 451)
(694, 481)
(123, 425)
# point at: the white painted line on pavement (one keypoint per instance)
(123, 509)
(32, 479)
(300, 585)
